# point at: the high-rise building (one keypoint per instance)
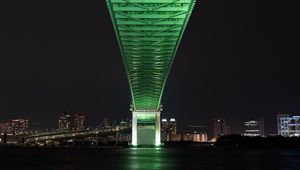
(64, 121)
(79, 121)
(288, 125)
(168, 128)
(164, 130)
(20, 126)
(254, 128)
(220, 128)
(14, 127)
(172, 126)
(6, 127)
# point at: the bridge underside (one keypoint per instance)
(148, 33)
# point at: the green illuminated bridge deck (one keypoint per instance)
(149, 33)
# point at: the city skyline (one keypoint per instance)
(234, 62)
(76, 121)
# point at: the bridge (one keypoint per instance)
(47, 136)
(149, 33)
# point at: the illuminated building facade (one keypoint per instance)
(174, 137)
(288, 125)
(14, 127)
(6, 127)
(164, 130)
(20, 126)
(187, 137)
(168, 128)
(148, 33)
(195, 137)
(199, 137)
(79, 121)
(254, 127)
(64, 121)
(220, 128)
(172, 126)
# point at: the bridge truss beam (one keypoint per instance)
(149, 33)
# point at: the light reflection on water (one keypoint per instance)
(291, 158)
(150, 159)
(195, 158)
(146, 158)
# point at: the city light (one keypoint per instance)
(149, 85)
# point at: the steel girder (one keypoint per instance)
(148, 33)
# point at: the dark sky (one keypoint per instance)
(237, 60)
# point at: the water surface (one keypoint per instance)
(148, 158)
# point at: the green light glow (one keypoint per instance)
(149, 33)
(145, 128)
(157, 145)
(147, 159)
(146, 117)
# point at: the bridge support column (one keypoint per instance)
(145, 128)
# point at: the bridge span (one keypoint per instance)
(149, 33)
(41, 137)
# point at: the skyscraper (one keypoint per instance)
(220, 127)
(164, 130)
(6, 127)
(79, 121)
(14, 127)
(20, 126)
(168, 128)
(172, 126)
(64, 121)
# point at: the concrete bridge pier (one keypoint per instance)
(145, 128)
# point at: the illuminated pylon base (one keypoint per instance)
(145, 128)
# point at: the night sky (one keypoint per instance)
(237, 60)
